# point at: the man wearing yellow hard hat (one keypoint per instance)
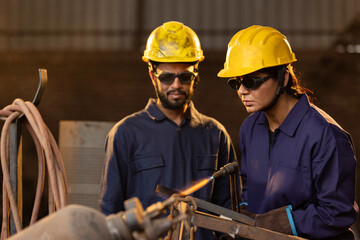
(297, 163)
(168, 142)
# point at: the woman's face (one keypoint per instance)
(257, 99)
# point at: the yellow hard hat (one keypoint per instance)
(254, 48)
(173, 42)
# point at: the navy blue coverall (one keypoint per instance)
(146, 149)
(310, 165)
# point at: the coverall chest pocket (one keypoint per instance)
(288, 184)
(206, 165)
(148, 171)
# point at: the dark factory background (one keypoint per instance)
(92, 52)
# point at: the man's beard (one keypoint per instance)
(177, 104)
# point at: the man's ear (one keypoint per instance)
(152, 77)
(196, 81)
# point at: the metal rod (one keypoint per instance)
(224, 212)
(231, 227)
(210, 207)
(234, 192)
(15, 166)
(41, 88)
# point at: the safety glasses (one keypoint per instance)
(169, 78)
(249, 83)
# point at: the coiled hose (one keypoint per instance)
(47, 151)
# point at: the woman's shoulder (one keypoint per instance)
(324, 121)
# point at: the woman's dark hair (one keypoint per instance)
(293, 87)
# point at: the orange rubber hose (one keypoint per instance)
(49, 157)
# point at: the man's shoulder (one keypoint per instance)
(208, 121)
(130, 121)
(133, 118)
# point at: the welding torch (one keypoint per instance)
(231, 169)
(227, 169)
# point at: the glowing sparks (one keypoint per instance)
(196, 187)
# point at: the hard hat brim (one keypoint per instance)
(230, 72)
(173, 59)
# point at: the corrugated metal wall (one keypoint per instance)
(125, 24)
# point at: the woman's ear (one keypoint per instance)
(286, 78)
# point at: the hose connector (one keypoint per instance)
(227, 170)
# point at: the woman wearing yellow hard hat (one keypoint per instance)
(297, 163)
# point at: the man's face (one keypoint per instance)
(174, 95)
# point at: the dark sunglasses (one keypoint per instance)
(249, 83)
(169, 78)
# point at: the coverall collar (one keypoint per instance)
(294, 117)
(155, 113)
